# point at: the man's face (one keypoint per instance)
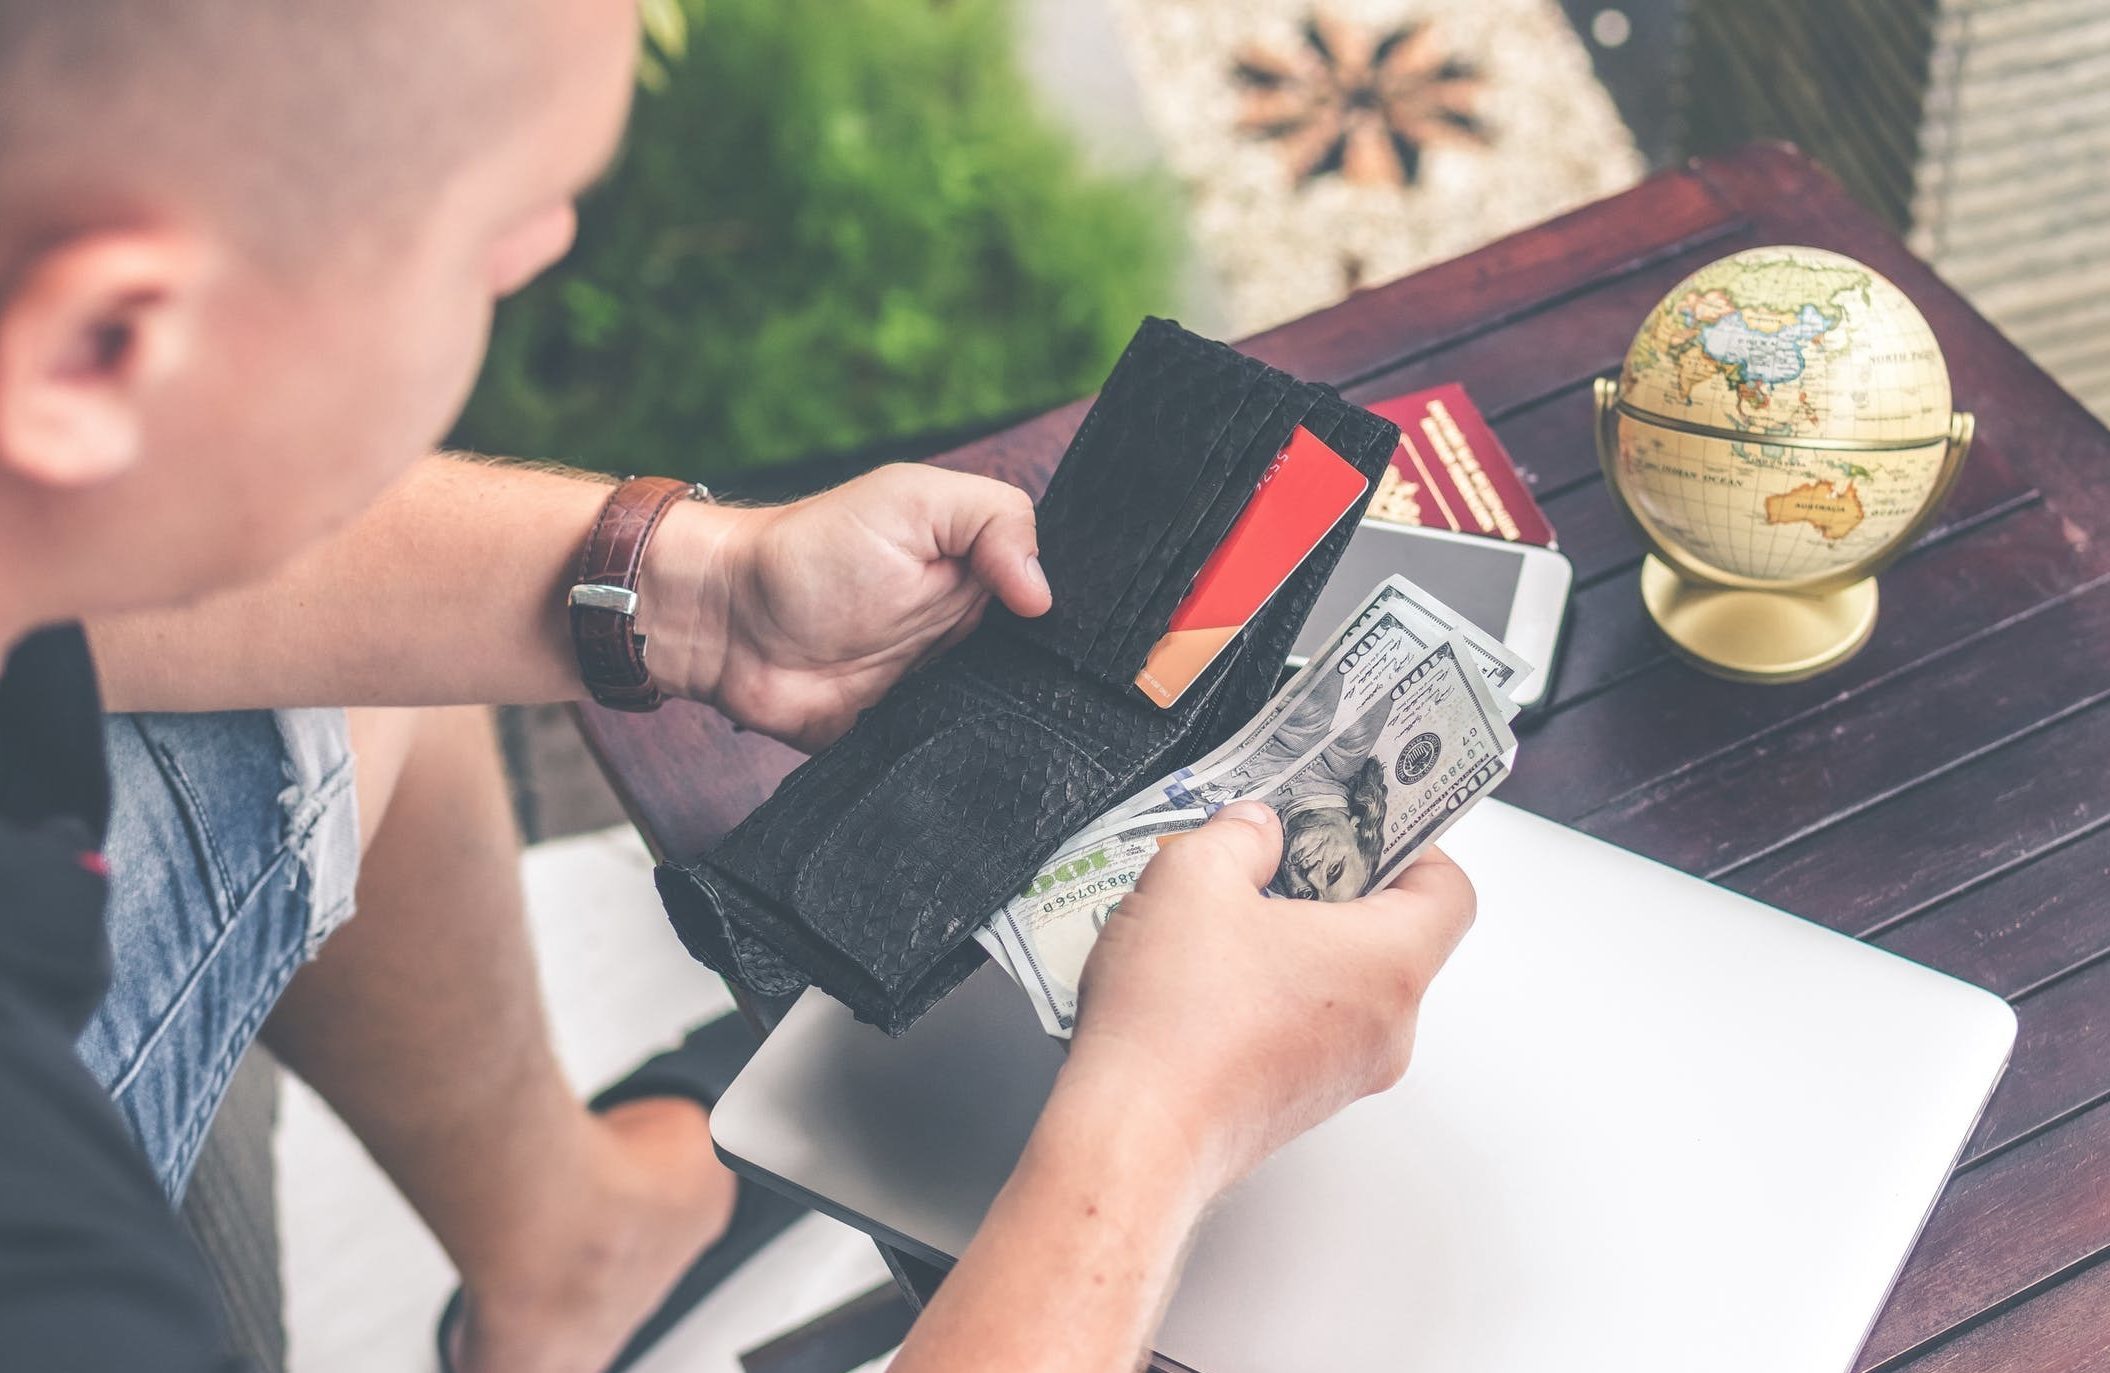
(303, 393)
(1321, 857)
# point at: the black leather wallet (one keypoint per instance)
(870, 867)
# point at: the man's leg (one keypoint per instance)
(421, 1024)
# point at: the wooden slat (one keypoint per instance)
(2000, 1230)
(1390, 326)
(1557, 347)
(1593, 533)
(1939, 837)
(2061, 1062)
(1550, 437)
(1792, 780)
(1669, 717)
(2059, 1329)
(1578, 336)
(684, 773)
(2033, 921)
(1024, 455)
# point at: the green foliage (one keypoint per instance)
(837, 221)
(666, 26)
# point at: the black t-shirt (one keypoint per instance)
(95, 1271)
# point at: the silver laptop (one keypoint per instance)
(1646, 1116)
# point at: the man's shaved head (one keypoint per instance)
(248, 255)
(282, 120)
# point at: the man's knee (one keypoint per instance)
(392, 744)
(381, 742)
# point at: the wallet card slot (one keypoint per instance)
(945, 835)
(1168, 456)
(1180, 512)
(1164, 409)
(1143, 614)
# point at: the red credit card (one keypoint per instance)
(1303, 493)
(1451, 472)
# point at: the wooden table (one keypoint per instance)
(1945, 794)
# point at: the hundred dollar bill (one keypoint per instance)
(1359, 802)
(1433, 620)
(1311, 711)
(1043, 935)
(1397, 621)
(1366, 803)
(1425, 619)
(1395, 604)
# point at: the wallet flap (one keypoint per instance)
(702, 904)
(938, 834)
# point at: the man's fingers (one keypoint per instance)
(990, 523)
(1243, 838)
(1424, 913)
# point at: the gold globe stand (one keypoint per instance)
(1757, 636)
(1745, 628)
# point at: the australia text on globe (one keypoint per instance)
(1755, 364)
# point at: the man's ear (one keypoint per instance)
(87, 330)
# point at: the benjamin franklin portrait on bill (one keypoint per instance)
(1333, 815)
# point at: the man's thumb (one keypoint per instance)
(1248, 839)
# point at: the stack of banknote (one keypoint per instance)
(1368, 753)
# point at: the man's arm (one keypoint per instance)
(1073, 1263)
(450, 591)
(1215, 1025)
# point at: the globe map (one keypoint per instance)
(1770, 349)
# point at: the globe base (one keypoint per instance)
(1758, 636)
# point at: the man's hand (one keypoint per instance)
(1215, 1025)
(1250, 1019)
(829, 600)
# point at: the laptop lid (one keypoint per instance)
(1646, 1117)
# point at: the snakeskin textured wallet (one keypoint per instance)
(870, 867)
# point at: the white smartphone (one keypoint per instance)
(1515, 591)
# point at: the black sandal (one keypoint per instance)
(700, 1070)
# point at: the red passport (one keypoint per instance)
(1451, 472)
(1303, 493)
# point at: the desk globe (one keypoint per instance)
(1780, 432)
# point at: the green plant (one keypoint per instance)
(837, 221)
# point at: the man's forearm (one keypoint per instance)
(449, 591)
(1072, 1267)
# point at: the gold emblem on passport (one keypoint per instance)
(1780, 432)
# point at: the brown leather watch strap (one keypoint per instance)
(604, 602)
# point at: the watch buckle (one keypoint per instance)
(600, 596)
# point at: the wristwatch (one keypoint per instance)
(604, 600)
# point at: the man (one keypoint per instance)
(247, 255)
